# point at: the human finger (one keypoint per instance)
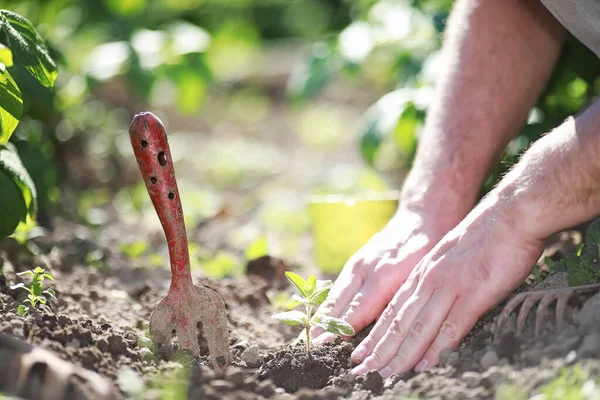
(394, 333)
(421, 333)
(460, 320)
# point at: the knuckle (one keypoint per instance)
(449, 330)
(390, 311)
(416, 329)
(397, 327)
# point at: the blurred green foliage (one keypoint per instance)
(396, 44)
(118, 56)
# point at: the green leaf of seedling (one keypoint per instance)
(21, 310)
(28, 47)
(51, 293)
(18, 285)
(41, 300)
(11, 105)
(25, 273)
(310, 285)
(292, 318)
(37, 288)
(321, 291)
(297, 281)
(320, 295)
(49, 276)
(39, 270)
(334, 325)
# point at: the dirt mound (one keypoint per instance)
(293, 368)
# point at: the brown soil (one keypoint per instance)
(99, 324)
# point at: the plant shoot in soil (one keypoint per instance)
(312, 293)
(37, 294)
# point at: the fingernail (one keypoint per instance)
(421, 365)
(359, 353)
(386, 372)
(361, 369)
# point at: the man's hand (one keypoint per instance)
(373, 275)
(502, 53)
(555, 185)
(472, 268)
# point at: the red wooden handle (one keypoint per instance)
(151, 148)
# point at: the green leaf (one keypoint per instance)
(28, 272)
(37, 289)
(321, 292)
(49, 276)
(135, 249)
(11, 105)
(334, 325)
(18, 285)
(28, 47)
(291, 318)
(51, 293)
(310, 285)
(38, 270)
(297, 281)
(21, 310)
(257, 248)
(311, 76)
(11, 165)
(13, 206)
(6, 56)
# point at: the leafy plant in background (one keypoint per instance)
(37, 294)
(20, 42)
(395, 45)
(312, 293)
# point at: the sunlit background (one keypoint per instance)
(265, 102)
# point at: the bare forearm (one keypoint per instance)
(500, 55)
(556, 185)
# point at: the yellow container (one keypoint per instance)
(343, 224)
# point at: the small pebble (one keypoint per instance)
(373, 382)
(102, 344)
(489, 359)
(266, 389)
(116, 344)
(86, 305)
(235, 376)
(251, 356)
(590, 346)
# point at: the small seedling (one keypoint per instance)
(37, 293)
(312, 293)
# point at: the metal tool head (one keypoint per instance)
(182, 311)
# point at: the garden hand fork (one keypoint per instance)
(186, 305)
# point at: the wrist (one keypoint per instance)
(446, 197)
